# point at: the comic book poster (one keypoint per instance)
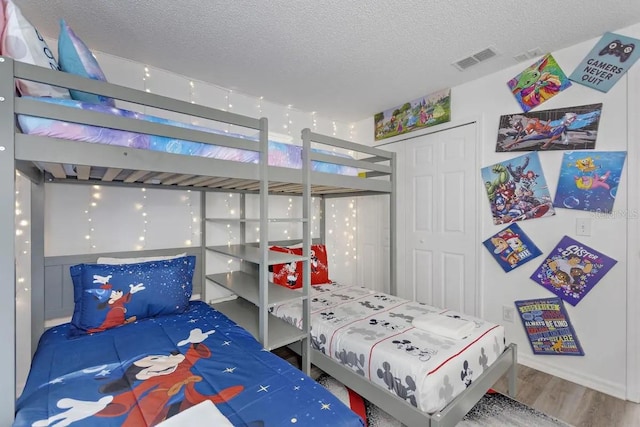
(589, 180)
(572, 269)
(609, 59)
(572, 128)
(548, 328)
(424, 112)
(541, 81)
(517, 190)
(511, 247)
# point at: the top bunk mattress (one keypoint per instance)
(145, 372)
(280, 154)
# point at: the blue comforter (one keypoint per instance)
(145, 372)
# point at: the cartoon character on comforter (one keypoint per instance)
(152, 389)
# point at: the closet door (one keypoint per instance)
(441, 246)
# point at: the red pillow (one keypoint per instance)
(288, 275)
(319, 265)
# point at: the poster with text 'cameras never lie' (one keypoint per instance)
(609, 59)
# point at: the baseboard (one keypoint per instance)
(606, 387)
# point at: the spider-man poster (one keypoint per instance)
(569, 128)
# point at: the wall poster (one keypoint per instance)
(589, 181)
(541, 81)
(424, 112)
(569, 128)
(517, 189)
(511, 247)
(609, 59)
(548, 328)
(572, 269)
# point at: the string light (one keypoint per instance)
(22, 242)
(146, 77)
(93, 197)
(193, 218)
(142, 207)
(260, 106)
(314, 121)
(231, 211)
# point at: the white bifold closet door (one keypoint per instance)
(440, 217)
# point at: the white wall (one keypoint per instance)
(600, 320)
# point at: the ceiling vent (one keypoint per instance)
(530, 54)
(476, 58)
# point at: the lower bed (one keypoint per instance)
(145, 372)
(372, 335)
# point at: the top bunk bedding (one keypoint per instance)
(154, 369)
(280, 154)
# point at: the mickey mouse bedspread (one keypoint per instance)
(371, 333)
(145, 372)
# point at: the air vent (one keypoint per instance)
(530, 54)
(476, 58)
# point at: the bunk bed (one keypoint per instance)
(46, 158)
(51, 158)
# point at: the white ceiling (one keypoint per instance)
(344, 59)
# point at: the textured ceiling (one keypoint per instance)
(343, 59)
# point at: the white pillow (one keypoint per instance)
(22, 42)
(117, 261)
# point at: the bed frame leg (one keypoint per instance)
(513, 372)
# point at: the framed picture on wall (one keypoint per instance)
(538, 83)
(589, 180)
(569, 128)
(511, 247)
(572, 269)
(517, 189)
(548, 327)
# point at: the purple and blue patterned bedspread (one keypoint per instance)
(280, 154)
(142, 373)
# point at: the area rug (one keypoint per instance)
(493, 410)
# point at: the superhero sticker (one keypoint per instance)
(589, 180)
(609, 59)
(572, 269)
(517, 189)
(569, 128)
(511, 247)
(541, 81)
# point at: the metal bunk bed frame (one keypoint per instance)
(43, 159)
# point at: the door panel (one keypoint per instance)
(439, 219)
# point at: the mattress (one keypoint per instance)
(145, 372)
(280, 154)
(372, 334)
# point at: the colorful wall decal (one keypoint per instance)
(572, 269)
(548, 328)
(589, 180)
(609, 59)
(511, 247)
(571, 128)
(517, 189)
(427, 111)
(541, 81)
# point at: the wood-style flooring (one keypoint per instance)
(570, 402)
(567, 401)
